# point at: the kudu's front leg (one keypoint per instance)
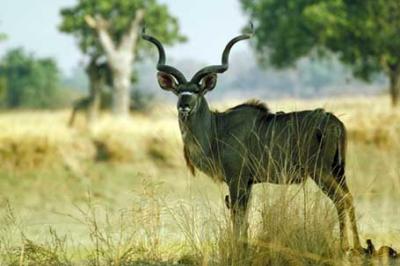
(239, 195)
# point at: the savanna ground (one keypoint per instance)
(120, 194)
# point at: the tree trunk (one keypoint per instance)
(395, 85)
(120, 58)
(121, 95)
(121, 65)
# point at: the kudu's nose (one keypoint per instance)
(184, 108)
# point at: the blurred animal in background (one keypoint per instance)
(81, 104)
(140, 102)
(248, 144)
(99, 77)
(100, 96)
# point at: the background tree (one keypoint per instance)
(112, 28)
(364, 33)
(2, 79)
(2, 37)
(29, 82)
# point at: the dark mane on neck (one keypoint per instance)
(253, 103)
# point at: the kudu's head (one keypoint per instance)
(190, 93)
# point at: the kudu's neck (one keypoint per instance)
(199, 126)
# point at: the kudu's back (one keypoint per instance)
(282, 147)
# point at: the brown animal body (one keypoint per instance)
(248, 144)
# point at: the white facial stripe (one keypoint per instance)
(186, 93)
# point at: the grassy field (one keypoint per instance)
(119, 193)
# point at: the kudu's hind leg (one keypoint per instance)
(335, 192)
(352, 216)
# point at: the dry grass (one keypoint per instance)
(119, 194)
(34, 139)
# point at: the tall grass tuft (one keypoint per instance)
(25, 251)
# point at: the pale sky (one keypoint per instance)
(208, 24)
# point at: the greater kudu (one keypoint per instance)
(248, 144)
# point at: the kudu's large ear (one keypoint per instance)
(167, 81)
(208, 82)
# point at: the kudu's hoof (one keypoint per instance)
(370, 250)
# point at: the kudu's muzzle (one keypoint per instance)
(186, 104)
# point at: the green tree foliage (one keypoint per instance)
(364, 33)
(26, 81)
(2, 36)
(119, 15)
(111, 28)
